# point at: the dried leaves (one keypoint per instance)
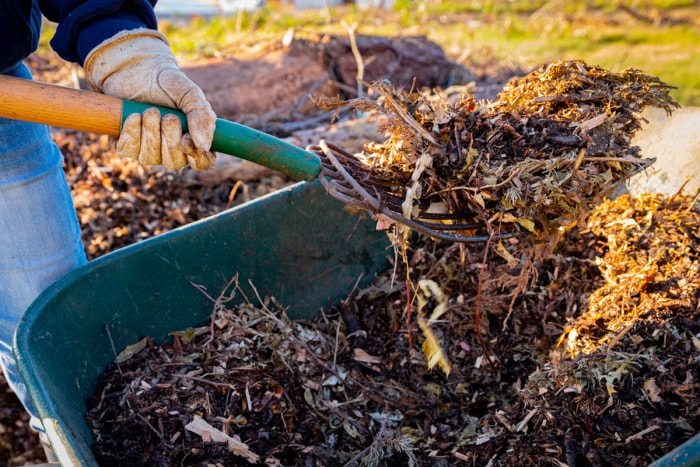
(619, 388)
(251, 386)
(650, 267)
(624, 374)
(553, 146)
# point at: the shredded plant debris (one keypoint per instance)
(597, 364)
(553, 145)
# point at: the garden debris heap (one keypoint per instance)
(553, 145)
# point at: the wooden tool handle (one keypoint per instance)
(32, 101)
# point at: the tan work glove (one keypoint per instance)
(138, 65)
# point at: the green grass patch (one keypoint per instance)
(525, 33)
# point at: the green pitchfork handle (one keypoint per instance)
(92, 112)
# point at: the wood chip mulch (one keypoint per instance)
(595, 364)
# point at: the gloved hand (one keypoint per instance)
(139, 65)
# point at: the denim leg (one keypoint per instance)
(39, 230)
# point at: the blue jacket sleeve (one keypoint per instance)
(84, 24)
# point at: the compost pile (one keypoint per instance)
(553, 145)
(593, 363)
(596, 365)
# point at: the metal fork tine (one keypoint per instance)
(344, 178)
(453, 227)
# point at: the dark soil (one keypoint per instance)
(594, 365)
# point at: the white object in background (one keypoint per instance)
(675, 143)
(233, 6)
(205, 7)
(384, 4)
(307, 4)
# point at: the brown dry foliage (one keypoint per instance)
(553, 145)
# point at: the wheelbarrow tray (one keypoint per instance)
(298, 245)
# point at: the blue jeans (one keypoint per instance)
(39, 231)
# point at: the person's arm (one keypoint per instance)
(124, 55)
(82, 25)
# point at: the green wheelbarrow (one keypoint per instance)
(297, 245)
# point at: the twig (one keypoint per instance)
(620, 335)
(358, 58)
(301, 343)
(232, 193)
(408, 311)
(203, 289)
(114, 350)
(636, 14)
(219, 302)
(376, 439)
(149, 426)
(290, 127)
(202, 380)
(479, 286)
(343, 87)
(523, 423)
(334, 409)
(641, 434)
(408, 119)
(335, 347)
(248, 401)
